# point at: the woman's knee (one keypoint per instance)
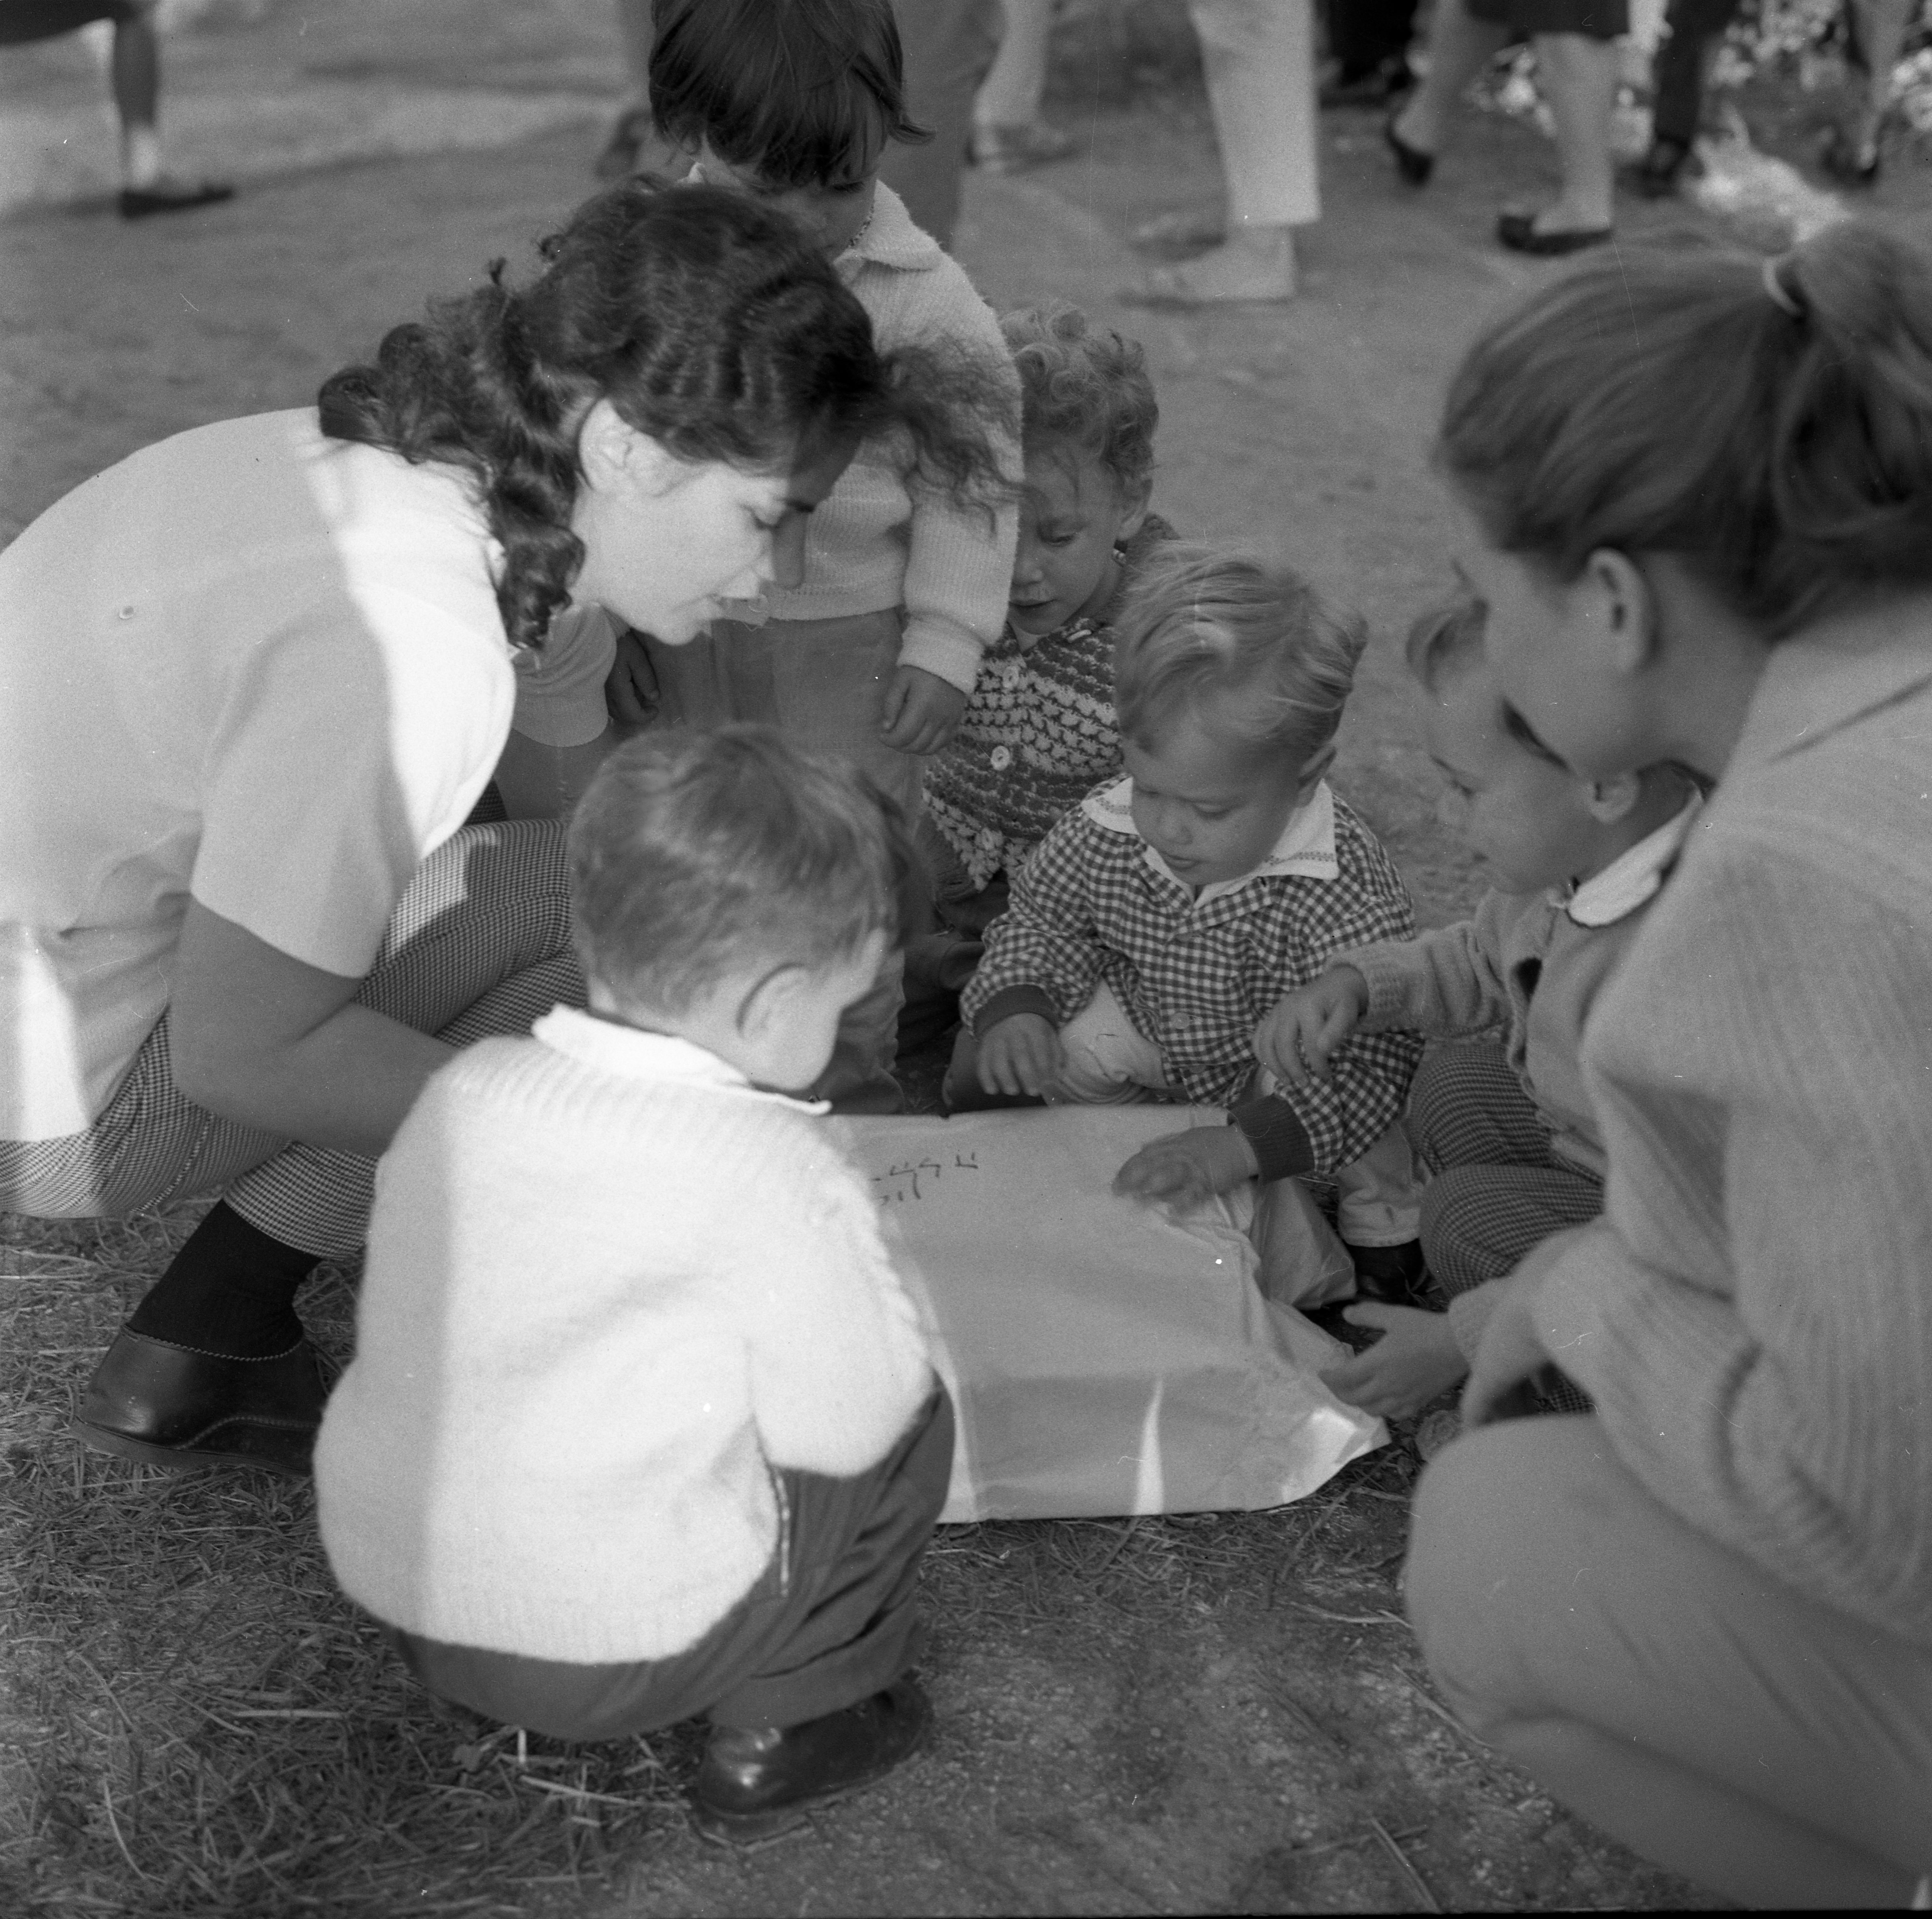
(1488, 1513)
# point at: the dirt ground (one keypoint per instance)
(1218, 1715)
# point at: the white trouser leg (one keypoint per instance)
(1259, 55)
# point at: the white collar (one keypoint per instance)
(1305, 849)
(891, 238)
(630, 1053)
(1635, 876)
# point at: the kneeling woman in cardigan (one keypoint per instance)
(252, 681)
(1703, 1616)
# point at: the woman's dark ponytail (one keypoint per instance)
(1771, 426)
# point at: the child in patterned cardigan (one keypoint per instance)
(1039, 734)
(1158, 921)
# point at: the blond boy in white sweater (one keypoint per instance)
(640, 1423)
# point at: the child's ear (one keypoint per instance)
(1628, 608)
(1134, 505)
(766, 1007)
(1611, 800)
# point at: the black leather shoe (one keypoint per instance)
(172, 197)
(171, 1406)
(755, 1784)
(1411, 162)
(1395, 1275)
(1519, 233)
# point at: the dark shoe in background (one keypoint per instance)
(1850, 165)
(756, 1783)
(1519, 233)
(1656, 176)
(171, 1406)
(172, 197)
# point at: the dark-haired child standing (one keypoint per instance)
(640, 1423)
(872, 655)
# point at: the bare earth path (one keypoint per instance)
(1187, 1715)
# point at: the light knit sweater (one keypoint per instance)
(1753, 1315)
(609, 1287)
(1534, 962)
(875, 545)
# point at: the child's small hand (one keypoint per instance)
(630, 687)
(923, 711)
(1022, 1054)
(1183, 1170)
(1295, 1041)
(1416, 1359)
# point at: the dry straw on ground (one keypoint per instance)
(195, 1722)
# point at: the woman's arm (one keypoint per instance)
(267, 1041)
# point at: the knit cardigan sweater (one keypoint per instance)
(1037, 736)
(876, 543)
(611, 1287)
(1752, 1314)
(1530, 963)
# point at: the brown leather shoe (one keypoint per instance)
(184, 1410)
(755, 1783)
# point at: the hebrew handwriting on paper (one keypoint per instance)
(908, 1180)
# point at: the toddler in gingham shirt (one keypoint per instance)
(1158, 923)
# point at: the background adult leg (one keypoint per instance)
(1259, 59)
(1880, 25)
(1008, 130)
(949, 47)
(1459, 46)
(1579, 76)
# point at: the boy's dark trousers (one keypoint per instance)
(830, 1622)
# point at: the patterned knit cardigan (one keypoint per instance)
(1037, 737)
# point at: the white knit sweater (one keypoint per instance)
(874, 544)
(609, 1286)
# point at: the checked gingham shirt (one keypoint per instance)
(1096, 902)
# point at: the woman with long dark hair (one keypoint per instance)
(253, 681)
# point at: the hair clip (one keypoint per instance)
(1782, 296)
